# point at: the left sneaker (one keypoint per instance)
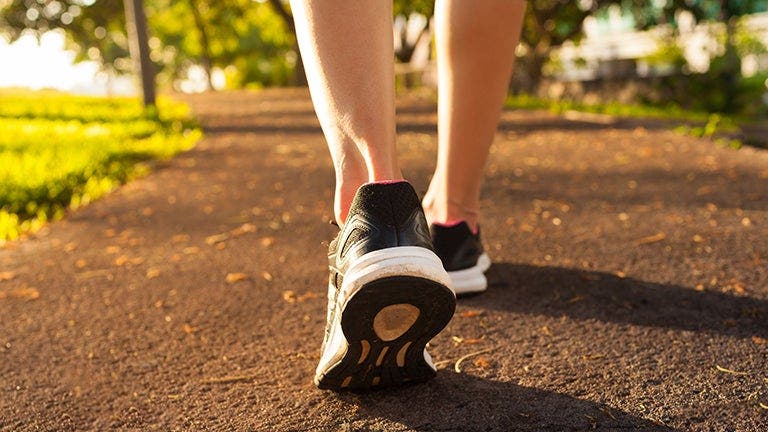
(388, 294)
(463, 256)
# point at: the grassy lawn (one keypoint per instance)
(59, 151)
(695, 123)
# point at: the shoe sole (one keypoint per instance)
(471, 280)
(387, 322)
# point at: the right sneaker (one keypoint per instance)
(463, 256)
(388, 294)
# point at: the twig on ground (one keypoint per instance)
(457, 366)
(229, 379)
(730, 371)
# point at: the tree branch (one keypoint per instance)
(280, 9)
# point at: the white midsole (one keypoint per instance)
(471, 280)
(395, 261)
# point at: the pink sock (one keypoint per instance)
(452, 223)
(388, 181)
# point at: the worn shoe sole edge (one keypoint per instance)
(383, 286)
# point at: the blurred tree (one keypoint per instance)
(255, 38)
(246, 39)
(549, 23)
(138, 41)
(96, 30)
(725, 69)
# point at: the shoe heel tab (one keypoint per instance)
(389, 202)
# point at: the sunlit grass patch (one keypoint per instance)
(59, 151)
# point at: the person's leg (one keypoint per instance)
(348, 53)
(388, 293)
(476, 43)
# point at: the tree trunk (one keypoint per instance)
(731, 72)
(299, 75)
(136, 23)
(205, 45)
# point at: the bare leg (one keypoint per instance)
(347, 47)
(476, 43)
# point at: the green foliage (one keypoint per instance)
(407, 7)
(59, 152)
(248, 37)
(668, 55)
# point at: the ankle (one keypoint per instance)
(450, 212)
(346, 188)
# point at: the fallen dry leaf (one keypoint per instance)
(235, 277)
(266, 275)
(26, 293)
(80, 263)
(216, 238)
(6, 276)
(735, 287)
(289, 296)
(482, 362)
(757, 340)
(191, 250)
(470, 313)
(152, 273)
(267, 241)
(651, 239)
(121, 260)
(180, 238)
(188, 329)
(457, 366)
(307, 295)
(243, 229)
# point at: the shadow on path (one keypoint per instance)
(462, 402)
(556, 292)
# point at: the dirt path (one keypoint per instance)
(629, 290)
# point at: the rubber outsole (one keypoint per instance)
(372, 362)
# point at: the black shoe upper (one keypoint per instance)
(457, 246)
(382, 215)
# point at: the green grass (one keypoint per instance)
(695, 123)
(60, 151)
(670, 112)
